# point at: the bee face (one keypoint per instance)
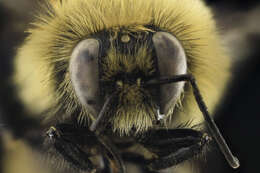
(84, 55)
(129, 39)
(124, 69)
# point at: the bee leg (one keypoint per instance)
(139, 160)
(113, 155)
(173, 146)
(60, 139)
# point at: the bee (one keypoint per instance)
(112, 82)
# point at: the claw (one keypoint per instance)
(159, 115)
(53, 133)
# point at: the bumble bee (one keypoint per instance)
(112, 82)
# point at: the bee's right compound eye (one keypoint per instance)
(84, 74)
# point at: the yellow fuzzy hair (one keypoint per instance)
(61, 26)
(131, 111)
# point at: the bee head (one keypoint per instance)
(122, 63)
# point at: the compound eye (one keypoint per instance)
(84, 74)
(171, 61)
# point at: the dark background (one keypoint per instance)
(238, 115)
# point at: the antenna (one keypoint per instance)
(232, 160)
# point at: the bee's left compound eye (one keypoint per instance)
(171, 61)
(84, 74)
